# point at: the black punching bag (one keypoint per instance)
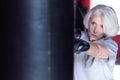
(37, 39)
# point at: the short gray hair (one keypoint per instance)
(109, 18)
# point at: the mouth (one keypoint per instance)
(93, 35)
(92, 40)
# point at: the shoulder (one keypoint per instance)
(110, 42)
(111, 45)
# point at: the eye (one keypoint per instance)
(101, 26)
(93, 23)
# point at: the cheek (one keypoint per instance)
(101, 31)
(90, 29)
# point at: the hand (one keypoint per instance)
(81, 45)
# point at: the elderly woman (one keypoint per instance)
(97, 61)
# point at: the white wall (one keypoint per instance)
(113, 3)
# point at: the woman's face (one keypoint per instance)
(95, 28)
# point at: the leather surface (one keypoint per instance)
(37, 40)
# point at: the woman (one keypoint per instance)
(97, 62)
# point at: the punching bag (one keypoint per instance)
(37, 39)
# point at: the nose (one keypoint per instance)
(96, 29)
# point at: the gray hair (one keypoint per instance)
(109, 18)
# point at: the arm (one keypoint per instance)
(107, 49)
(97, 50)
